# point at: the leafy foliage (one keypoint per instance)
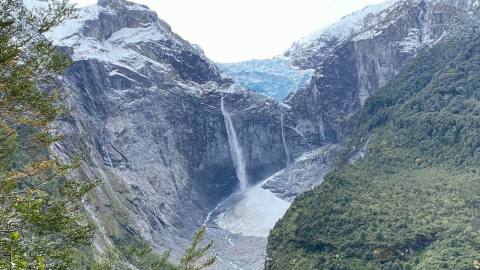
(41, 221)
(194, 253)
(413, 201)
(131, 251)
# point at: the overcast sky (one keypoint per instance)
(237, 30)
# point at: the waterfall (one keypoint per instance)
(235, 149)
(283, 139)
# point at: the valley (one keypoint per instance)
(325, 157)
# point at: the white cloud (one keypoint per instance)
(236, 30)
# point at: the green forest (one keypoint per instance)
(413, 201)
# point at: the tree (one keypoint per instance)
(41, 223)
(140, 254)
(194, 253)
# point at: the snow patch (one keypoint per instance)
(347, 25)
(137, 35)
(255, 214)
(34, 4)
(73, 26)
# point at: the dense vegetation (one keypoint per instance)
(413, 202)
(41, 222)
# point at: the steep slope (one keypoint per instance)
(412, 201)
(350, 60)
(353, 58)
(145, 111)
(275, 77)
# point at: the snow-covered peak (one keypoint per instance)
(129, 35)
(373, 21)
(74, 26)
(324, 41)
(368, 16)
(103, 20)
(347, 25)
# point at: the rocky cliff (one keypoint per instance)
(145, 112)
(406, 202)
(381, 42)
(351, 60)
(356, 56)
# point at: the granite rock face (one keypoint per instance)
(358, 55)
(145, 111)
(294, 179)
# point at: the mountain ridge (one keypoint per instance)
(406, 204)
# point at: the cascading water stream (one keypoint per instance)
(235, 149)
(243, 221)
